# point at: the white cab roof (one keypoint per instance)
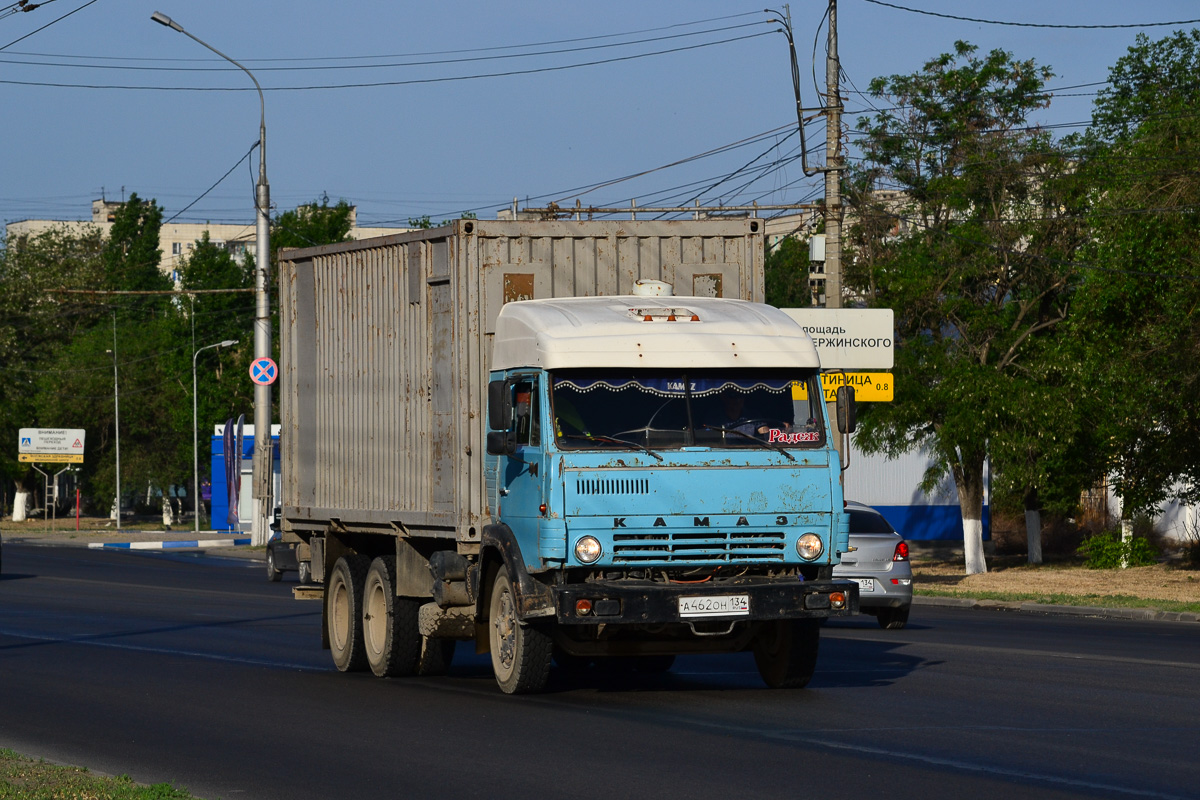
(615, 332)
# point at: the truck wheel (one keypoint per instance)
(273, 573)
(305, 572)
(343, 600)
(893, 619)
(436, 655)
(391, 633)
(520, 653)
(786, 652)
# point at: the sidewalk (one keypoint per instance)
(223, 542)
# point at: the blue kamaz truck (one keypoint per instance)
(569, 442)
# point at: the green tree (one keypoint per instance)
(131, 255)
(974, 259)
(313, 224)
(36, 322)
(1136, 319)
(786, 274)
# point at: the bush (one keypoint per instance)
(1105, 550)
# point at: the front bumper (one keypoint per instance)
(642, 603)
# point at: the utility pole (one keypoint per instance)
(833, 167)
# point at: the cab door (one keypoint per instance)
(523, 476)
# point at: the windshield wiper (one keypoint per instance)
(632, 445)
(755, 439)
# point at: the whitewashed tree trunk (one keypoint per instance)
(1126, 539)
(967, 469)
(21, 505)
(1033, 534)
(167, 511)
(1033, 526)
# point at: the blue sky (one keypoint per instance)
(444, 146)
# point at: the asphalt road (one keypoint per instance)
(194, 669)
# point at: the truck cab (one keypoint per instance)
(661, 479)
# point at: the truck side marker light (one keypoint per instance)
(542, 509)
(583, 607)
(837, 600)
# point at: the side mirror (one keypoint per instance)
(501, 443)
(847, 416)
(499, 406)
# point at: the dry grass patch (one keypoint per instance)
(1011, 575)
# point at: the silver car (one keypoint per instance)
(878, 560)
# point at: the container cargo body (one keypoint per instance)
(493, 432)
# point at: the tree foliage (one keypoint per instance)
(786, 269)
(1136, 322)
(58, 349)
(973, 256)
(313, 224)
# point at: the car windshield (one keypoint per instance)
(660, 409)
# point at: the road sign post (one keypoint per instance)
(50, 446)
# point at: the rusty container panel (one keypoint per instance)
(386, 343)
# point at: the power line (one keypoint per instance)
(1029, 24)
(47, 25)
(433, 62)
(411, 55)
(378, 84)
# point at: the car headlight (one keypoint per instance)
(809, 546)
(588, 549)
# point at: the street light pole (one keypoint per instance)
(263, 450)
(195, 428)
(116, 417)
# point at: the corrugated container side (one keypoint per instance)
(386, 345)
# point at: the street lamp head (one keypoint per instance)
(163, 19)
(229, 343)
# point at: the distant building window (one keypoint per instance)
(176, 248)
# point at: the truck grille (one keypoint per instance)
(715, 547)
(593, 486)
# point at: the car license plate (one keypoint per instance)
(866, 584)
(726, 605)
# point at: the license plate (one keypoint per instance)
(866, 584)
(727, 605)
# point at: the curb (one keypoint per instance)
(1135, 614)
(168, 545)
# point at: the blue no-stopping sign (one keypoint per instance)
(263, 371)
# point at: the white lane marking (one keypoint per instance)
(136, 648)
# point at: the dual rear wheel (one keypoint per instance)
(370, 627)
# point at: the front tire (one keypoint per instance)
(343, 612)
(274, 574)
(391, 630)
(785, 652)
(520, 653)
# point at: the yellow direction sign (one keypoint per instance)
(869, 387)
(51, 458)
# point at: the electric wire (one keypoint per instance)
(379, 84)
(47, 25)
(437, 62)
(1030, 24)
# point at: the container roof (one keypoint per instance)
(649, 332)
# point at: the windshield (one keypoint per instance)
(659, 409)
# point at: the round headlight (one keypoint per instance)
(809, 546)
(588, 549)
